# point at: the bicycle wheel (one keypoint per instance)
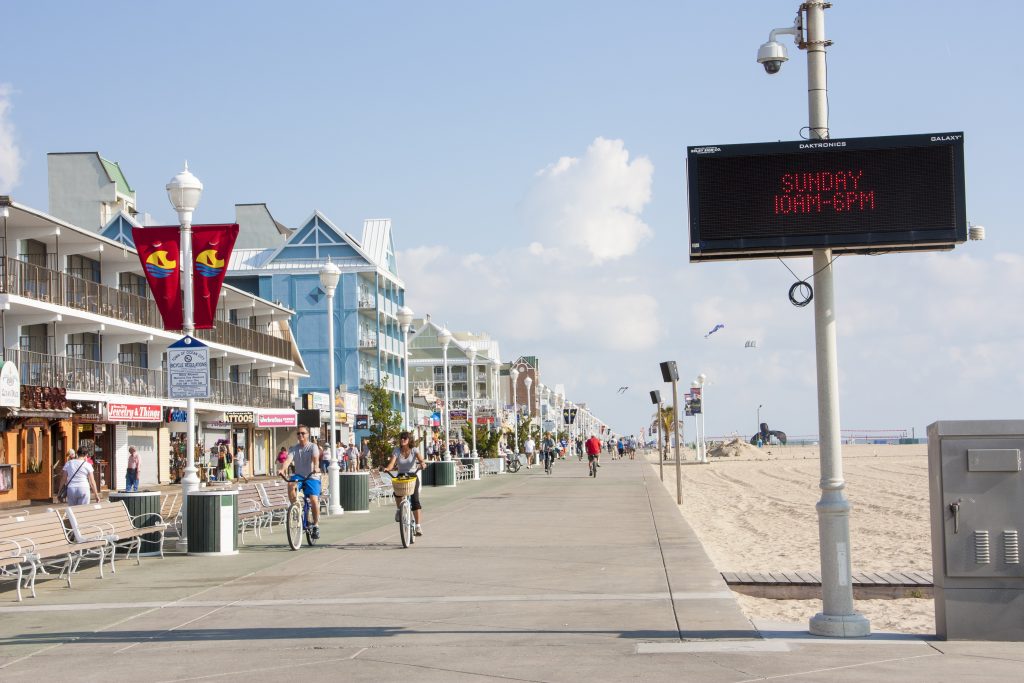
(405, 523)
(513, 466)
(308, 526)
(293, 525)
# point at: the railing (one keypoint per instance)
(367, 343)
(89, 376)
(51, 286)
(366, 303)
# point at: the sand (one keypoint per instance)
(754, 511)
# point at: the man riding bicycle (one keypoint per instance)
(305, 456)
(548, 448)
(593, 453)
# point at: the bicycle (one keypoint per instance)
(404, 485)
(549, 461)
(593, 467)
(512, 463)
(299, 517)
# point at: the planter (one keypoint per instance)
(492, 465)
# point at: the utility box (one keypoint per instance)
(976, 489)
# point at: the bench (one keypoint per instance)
(170, 510)
(110, 521)
(38, 541)
(380, 487)
(274, 496)
(251, 512)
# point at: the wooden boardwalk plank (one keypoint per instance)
(808, 578)
(805, 578)
(729, 577)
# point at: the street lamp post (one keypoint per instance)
(184, 191)
(329, 276)
(405, 316)
(656, 400)
(471, 355)
(513, 375)
(496, 386)
(759, 406)
(529, 412)
(702, 454)
(444, 337)
(837, 616)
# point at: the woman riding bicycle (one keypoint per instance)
(408, 460)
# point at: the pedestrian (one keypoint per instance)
(528, 447)
(77, 479)
(325, 456)
(282, 458)
(218, 475)
(131, 475)
(240, 461)
(229, 464)
(351, 455)
(364, 455)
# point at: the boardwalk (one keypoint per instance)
(519, 577)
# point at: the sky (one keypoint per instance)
(532, 158)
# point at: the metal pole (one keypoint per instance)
(190, 479)
(333, 469)
(515, 411)
(405, 357)
(675, 418)
(837, 617)
(661, 459)
(447, 394)
(472, 395)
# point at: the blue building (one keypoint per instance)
(283, 265)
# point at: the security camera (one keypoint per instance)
(771, 55)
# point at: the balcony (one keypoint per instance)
(89, 376)
(59, 289)
(367, 342)
(367, 303)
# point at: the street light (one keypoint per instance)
(184, 191)
(759, 406)
(444, 337)
(471, 356)
(837, 616)
(513, 375)
(702, 455)
(496, 367)
(405, 320)
(329, 276)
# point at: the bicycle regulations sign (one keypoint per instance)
(188, 369)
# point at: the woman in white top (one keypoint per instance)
(408, 460)
(77, 474)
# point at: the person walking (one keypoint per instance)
(282, 458)
(229, 464)
(77, 476)
(352, 456)
(364, 455)
(528, 447)
(240, 461)
(131, 475)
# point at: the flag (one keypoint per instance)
(211, 249)
(159, 250)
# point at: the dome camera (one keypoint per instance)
(771, 55)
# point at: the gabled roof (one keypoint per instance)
(425, 331)
(317, 239)
(378, 243)
(119, 229)
(113, 170)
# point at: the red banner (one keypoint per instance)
(159, 250)
(211, 249)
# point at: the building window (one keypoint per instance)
(84, 267)
(135, 355)
(132, 283)
(85, 346)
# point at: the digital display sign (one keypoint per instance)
(861, 195)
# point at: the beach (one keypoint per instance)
(755, 512)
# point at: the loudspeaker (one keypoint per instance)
(655, 397)
(669, 371)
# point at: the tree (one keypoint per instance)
(666, 428)
(385, 424)
(486, 440)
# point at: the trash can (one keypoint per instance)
(212, 522)
(142, 503)
(443, 473)
(354, 490)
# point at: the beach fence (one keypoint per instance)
(888, 437)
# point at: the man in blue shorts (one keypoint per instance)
(305, 456)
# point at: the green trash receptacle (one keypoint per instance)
(144, 508)
(444, 473)
(428, 473)
(212, 522)
(354, 490)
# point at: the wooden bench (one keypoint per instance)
(111, 522)
(251, 513)
(275, 501)
(170, 510)
(38, 541)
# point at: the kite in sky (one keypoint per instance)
(751, 344)
(714, 329)
(622, 390)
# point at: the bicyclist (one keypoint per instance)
(593, 451)
(408, 460)
(305, 456)
(547, 446)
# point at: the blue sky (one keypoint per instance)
(451, 118)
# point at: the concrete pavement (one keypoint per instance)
(524, 577)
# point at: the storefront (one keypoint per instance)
(272, 427)
(177, 428)
(242, 423)
(138, 425)
(216, 433)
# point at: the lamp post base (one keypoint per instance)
(840, 625)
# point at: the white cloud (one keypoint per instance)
(592, 205)
(10, 157)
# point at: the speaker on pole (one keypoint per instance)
(655, 397)
(669, 371)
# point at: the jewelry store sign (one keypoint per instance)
(134, 412)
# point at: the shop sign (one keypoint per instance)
(10, 386)
(177, 415)
(457, 416)
(217, 424)
(319, 401)
(362, 421)
(134, 412)
(239, 417)
(86, 417)
(288, 418)
(188, 369)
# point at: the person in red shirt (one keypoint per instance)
(593, 452)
